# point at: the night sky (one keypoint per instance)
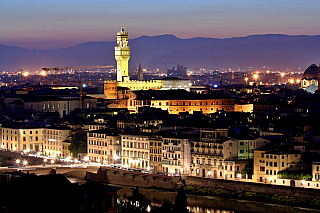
(43, 24)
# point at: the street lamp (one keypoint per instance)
(115, 157)
(246, 79)
(282, 74)
(17, 162)
(209, 173)
(255, 76)
(239, 176)
(270, 179)
(45, 161)
(25, 163)
(52, 161)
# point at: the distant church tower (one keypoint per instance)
(122, 55)
(140, 75)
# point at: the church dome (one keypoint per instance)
(311, 72)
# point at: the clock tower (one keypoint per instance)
(122, 55)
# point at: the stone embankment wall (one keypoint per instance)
(120, 177)
(126, 178)
(252, 187)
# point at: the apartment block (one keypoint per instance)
(135, 150)
(103, 146)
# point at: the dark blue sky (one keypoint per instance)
(43, 24)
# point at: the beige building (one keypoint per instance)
(103, 146)
(267, 164)
(214, 155)
(135, 150)
(176, 154)
(22, 137)
(55, 141)
(155, 154)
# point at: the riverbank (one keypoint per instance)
(200, 204)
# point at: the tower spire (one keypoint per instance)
(122, 55)
(140, 75)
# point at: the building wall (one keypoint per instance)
(102, 147)
(155, 154)
(243, 107)
(53, 142)
(266, 165)
(135, 151)
(206, 106)
(22, 139)
(175, 156)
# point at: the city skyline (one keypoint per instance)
(52, 25)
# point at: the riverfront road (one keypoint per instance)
(44, 170)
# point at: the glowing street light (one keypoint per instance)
(291, 81)
(270, 179)
(239, 176)
(25, 163)
(246, 79)
(17, 162)
(52, 161)
(25, 74)
(2, 146)
(45, 161)
(115, 157)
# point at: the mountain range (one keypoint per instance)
(276, 51)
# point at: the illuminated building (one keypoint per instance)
(267, 164)
(310, 77)
(55, 141)
(135, 150)
(155, 154)
(122, 56)
(176, 155)
(102, 145)
(214, 155)
(22, 137)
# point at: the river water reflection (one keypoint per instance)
(200, 204)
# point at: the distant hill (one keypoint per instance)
(272, 50)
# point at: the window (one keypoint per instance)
(275, 164)
(267, 172)
(282, 156)
(24, 138)
(270, 163)
(37, 139)
(230, 144)
(241, 151)
(241, 143)
(30, 138)
(282, 164)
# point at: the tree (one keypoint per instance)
(136, 203)
(78, 144)
(180, 204)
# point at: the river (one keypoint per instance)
(209, 204)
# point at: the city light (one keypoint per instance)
(25, 163)
(291, 81)
(52, 161)
(43, 73)
(25, 74)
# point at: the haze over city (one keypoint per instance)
(58, 24)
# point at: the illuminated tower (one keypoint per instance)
(122, 55)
